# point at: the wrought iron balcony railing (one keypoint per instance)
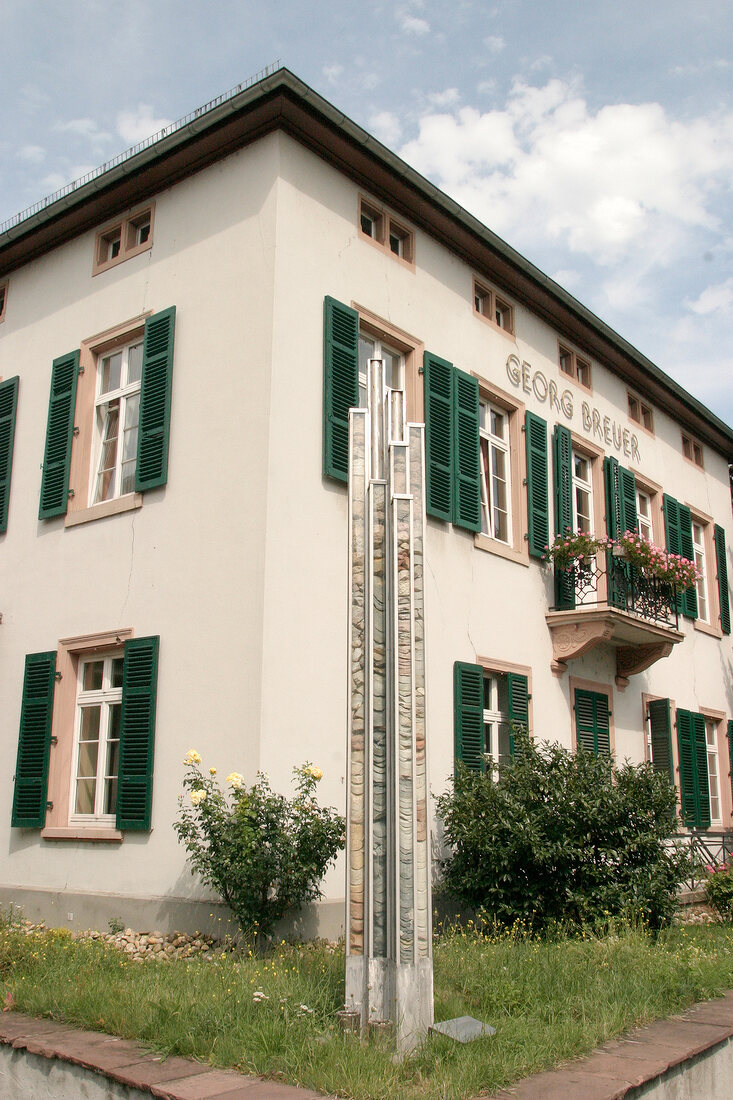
(709, 849)
(608, 581)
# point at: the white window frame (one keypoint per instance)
(493, 719)
(700, 558)
(580, 484)
(494, 443)
(105, 698)
(644, 522)
(380, 346)
(103, 401)
(713, 761)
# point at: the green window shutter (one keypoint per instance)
(59, 434)
(137, 733)
(660, 726)
(439, 437)
(518, 692)
(694, 787)
(613, 497)
(688, 769)
(340, 384)
(678, 535)
(34, 742)
(730, 754)
(8, 409)
(627, 486)
(562, 453)
(592, 721)
(467, 464)
(701, 766)
(722, 564)
(468, 715)
(689, 596)
(155, 401)
(538, 512)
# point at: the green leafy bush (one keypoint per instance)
(562, 837)
(719, 891)
(264, 854)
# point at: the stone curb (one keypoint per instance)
(130, 1064)
(612, 1072)
(618, 1068)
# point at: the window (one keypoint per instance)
(386, 231)
(592, 721)
(97, 747)
(3, 299)
(711, 741)
(496, 519)
(117, 418)
(371, 347)
(85, 747)
(574, 365)
(692, 450)
(490, 704)
(128, 237)
(582, 493)
(487, 303)
(644, 514)
(698, 547)
(108, 421)
(351, 336)
(640, 412)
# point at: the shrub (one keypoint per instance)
(264, 854)
(719, 891)
(562, 837)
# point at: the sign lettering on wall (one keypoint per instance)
(610, 432)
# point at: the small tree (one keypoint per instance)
(264, 854)
(562, 837)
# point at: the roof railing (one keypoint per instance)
(166, 131)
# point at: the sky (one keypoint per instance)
(595, 138)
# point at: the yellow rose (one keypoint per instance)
(197, 797)
(192, 757)
(234, 779)
(212, 771)
(316, 773)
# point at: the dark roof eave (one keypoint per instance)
(283, 101)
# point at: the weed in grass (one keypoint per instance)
(275, 1015)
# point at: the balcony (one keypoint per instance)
(605, 601)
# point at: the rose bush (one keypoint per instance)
(648, 559)
(264, 854)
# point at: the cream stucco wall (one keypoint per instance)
(239, 563)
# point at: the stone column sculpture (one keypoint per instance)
(389, 963)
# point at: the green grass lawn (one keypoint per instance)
(274, 1015)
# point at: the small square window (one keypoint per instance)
(692, 450)
(489, 305)
(3, 299)
(120, 242)
(640, 412)
(386, 231)
(574, 365)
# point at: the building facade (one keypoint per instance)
(180, 340)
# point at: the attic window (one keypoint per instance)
(490, 305)
(386, 232)
(120, 242)
(692, 450)
(640, 412)
(574, 365)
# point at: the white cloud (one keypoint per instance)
(33, 154)
(444, 99)
(83, 128)
(332, 72)
(494, 43)
(136, 124)
(411, 24)
(696, 68)
(32, 99)
(369, 81)
(600, 182)
(717, 298)
(386, 127)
